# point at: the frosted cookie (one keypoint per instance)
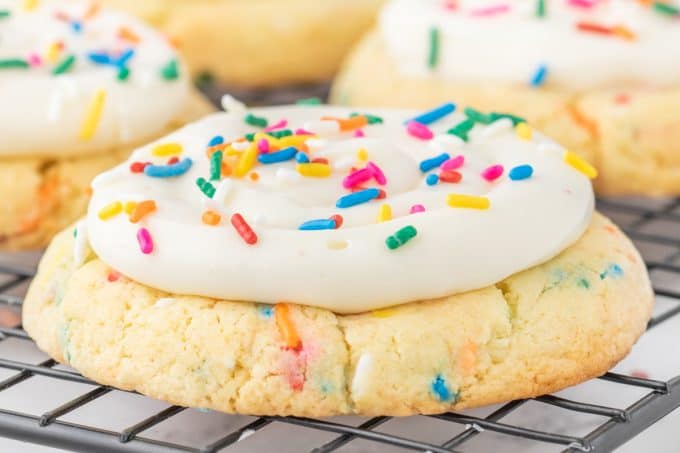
(318, 261)
(247, 44)
(601, 77)
(80, 87)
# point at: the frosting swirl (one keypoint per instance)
(562, 43)
(341, 211)
(75, 79)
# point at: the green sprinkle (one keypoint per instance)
(207, 188)
(171, 70)
(216, 166)
(433, 57)
(515, 119)
(256, 120)
(401, 237)
(123, 74)
(282, 133)
(540, 8)
(309, 101)
(477, 116)
(372, 119)
(64, 65)
(4, 13)
(14, 63)
(666, 9)
(462, 129)
(204, 80)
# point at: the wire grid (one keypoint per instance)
(660, 398)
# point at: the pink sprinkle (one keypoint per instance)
(359, 133)
(263, 145)
(357, 177)
(280, 125)
(301, 131)
(419, 130)
(416, 208)
(492, 173)
(34, 60)
(145, 241)
(450, 5)
(377, 173)
(491, 10)
(454, 163)
(582, 3)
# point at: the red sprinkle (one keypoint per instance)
(243, 229)
(338, 220)
(138, 167)
(450, 176)
(113, 276)
(320, 160)
(173, 160)
(382, 195)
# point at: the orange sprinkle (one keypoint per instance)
(467, 358)
(586, 123)
(226, 169)
(624, 32)
(254, 176)
(349, 124)
(126, 34)
(286, 327)
(142, 209)
(92, 10)
(211, 218)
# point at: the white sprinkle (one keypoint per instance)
(240, 146)
(322, 127)
(232, 105)
(80, 244)
(164, 302)
(223, 190)
(315, 144)
(364, 365)
(448, 140)
(287, 176)
(493, 129)
(343, 163)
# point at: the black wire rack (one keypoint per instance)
(640, 218)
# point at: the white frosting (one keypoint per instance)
(509, 47)
(349, 269)
(46, 111)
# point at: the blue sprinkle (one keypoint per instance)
(320, 224)
(440, 389)
(539, 76)
(216, 140)
(266, 311)
(168, 171)
(99, 58)
(278, 156)
(612, 271)
(356, 198)
(521, 172)
(302, 158)
(434, 114)
(432, 180)
(76, 26)
(124, 58)
(434, 162)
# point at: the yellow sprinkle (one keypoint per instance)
(468, 201)
(94, 113)
(314, 170)
(167, 149)
(247, 161)
(53, 52)
(384, 313)
(294, 140)
(30, 4)
(524, 131)
(230, 151)
(362, 154)
(580, 164)
(111, 210)
(273, 141)
(385, 213)
(129, 207)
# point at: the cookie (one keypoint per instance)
(75, 83)
(260, 44)
(316, 261)
(593, 78)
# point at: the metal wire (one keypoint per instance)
(619, 425)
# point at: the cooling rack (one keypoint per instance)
(653, 224)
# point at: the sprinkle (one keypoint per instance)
(540, 8)
(454, 163)
(363, 367)
(378, 174)
(416, 208)
(666, 9)
(435, 114)
(433, 55)
(205, 187)
(314, 170)
(521, 172)
(539, 76)
(401, 237)
(232, 105)
(4, 13)
(171, 70)
(123, 74)
(100, 58)
(356, 178)
(278, 156)
(477, 116)
(216, 140)
(348, 124)
(301, 158)
(223, 189)
(211, 218)
(29, 5)
(93, 115)
(440, 389)
(256, 121)
(372, 119)
(110, 210)
(168, 171)
(462, 129)
(138, 167)
(362, 154)
(216, 166)
(145, 241)
(286, 327)
(280, 125)
(514, 118)
(524, 131)
(434, 162)
(126, 34)
(385, 213)
(320, 224)
(450, 176)
(492, 173)
(80, 251)
(432, 180)
(167, 149)
(65, 65)
(580, 164)
(612, 271)
(309, 101)
(129, 207)
(491, 10)
(113, 276)
(13, 63)
(357, 198)
(468, 201)
(243, 229)
(338, 220)
(247, 161)
(419, 131)
(142, 209)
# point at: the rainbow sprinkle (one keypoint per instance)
(93, 115)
